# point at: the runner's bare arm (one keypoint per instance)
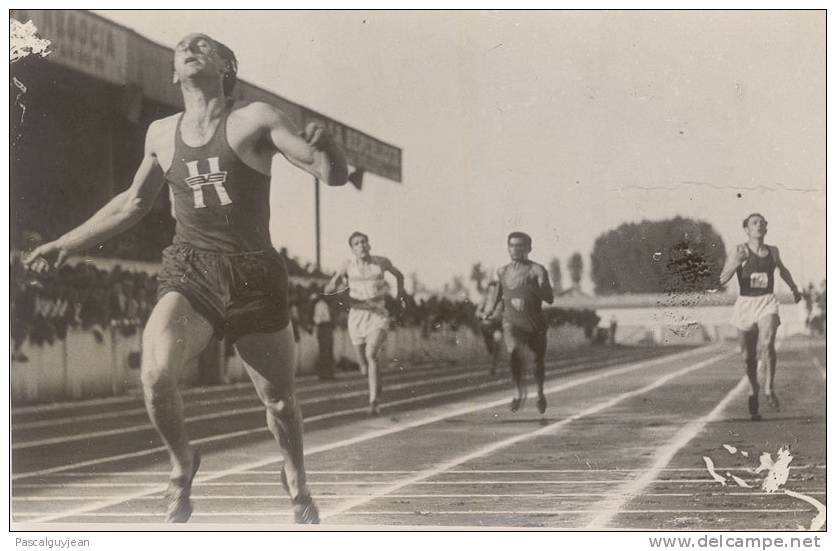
(119, 214)
(545, 291)
(334, 283)
(786, 275)
(389, 267)
(312, 149)
(493, 301)
(733, 263)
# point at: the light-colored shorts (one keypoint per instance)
(363, 325)
(748, 310)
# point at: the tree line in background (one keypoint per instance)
(666, 256)
(675, 255)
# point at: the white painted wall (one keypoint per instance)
(81, 368)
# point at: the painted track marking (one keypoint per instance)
(611, 507)
(263, 429)
(502, 444)
(260, 408)
(370, 435)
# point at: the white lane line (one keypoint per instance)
(372, 434)
(249, 397)
(454, 471)
(820, 367)
(306, 383)
(218, 414)
(435, 512)
(430, 419)
(146, 426)
(496, 446)
(487, 482)
(609, 508)
(821, 510)
(323, 497)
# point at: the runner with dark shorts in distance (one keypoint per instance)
(523, 287)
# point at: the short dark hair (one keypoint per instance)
(746, 220)
(231, 73)
(356, 234)
(519, 235)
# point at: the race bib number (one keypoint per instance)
(518, 304)
(758, 280)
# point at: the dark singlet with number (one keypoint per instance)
(522, 306)
(220, 203)
(756, 276)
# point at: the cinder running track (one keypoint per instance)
(621, 446)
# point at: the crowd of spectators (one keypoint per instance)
(82, 295)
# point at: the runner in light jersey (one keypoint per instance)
(368, 320)
(756, 309)
(523, 287)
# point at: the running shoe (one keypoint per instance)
(374, 409)
(541, 403)
(517, 403)
(178, 495)
(772, 400)
(305, 510)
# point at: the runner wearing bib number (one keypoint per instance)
(756, 309)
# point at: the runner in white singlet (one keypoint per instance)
(368, 320)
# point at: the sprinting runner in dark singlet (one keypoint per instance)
(221, 276)
(523, 287)
(222, 259)
(756, 309)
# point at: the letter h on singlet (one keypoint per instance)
(215, 177)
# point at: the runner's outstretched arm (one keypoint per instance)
(119, 214)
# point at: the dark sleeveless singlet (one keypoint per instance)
(756, 276)
(220, 203)
(522, 307)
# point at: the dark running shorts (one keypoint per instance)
(238, 294)
(516, 337)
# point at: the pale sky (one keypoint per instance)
(561, 124)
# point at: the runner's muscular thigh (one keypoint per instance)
(174, 320)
